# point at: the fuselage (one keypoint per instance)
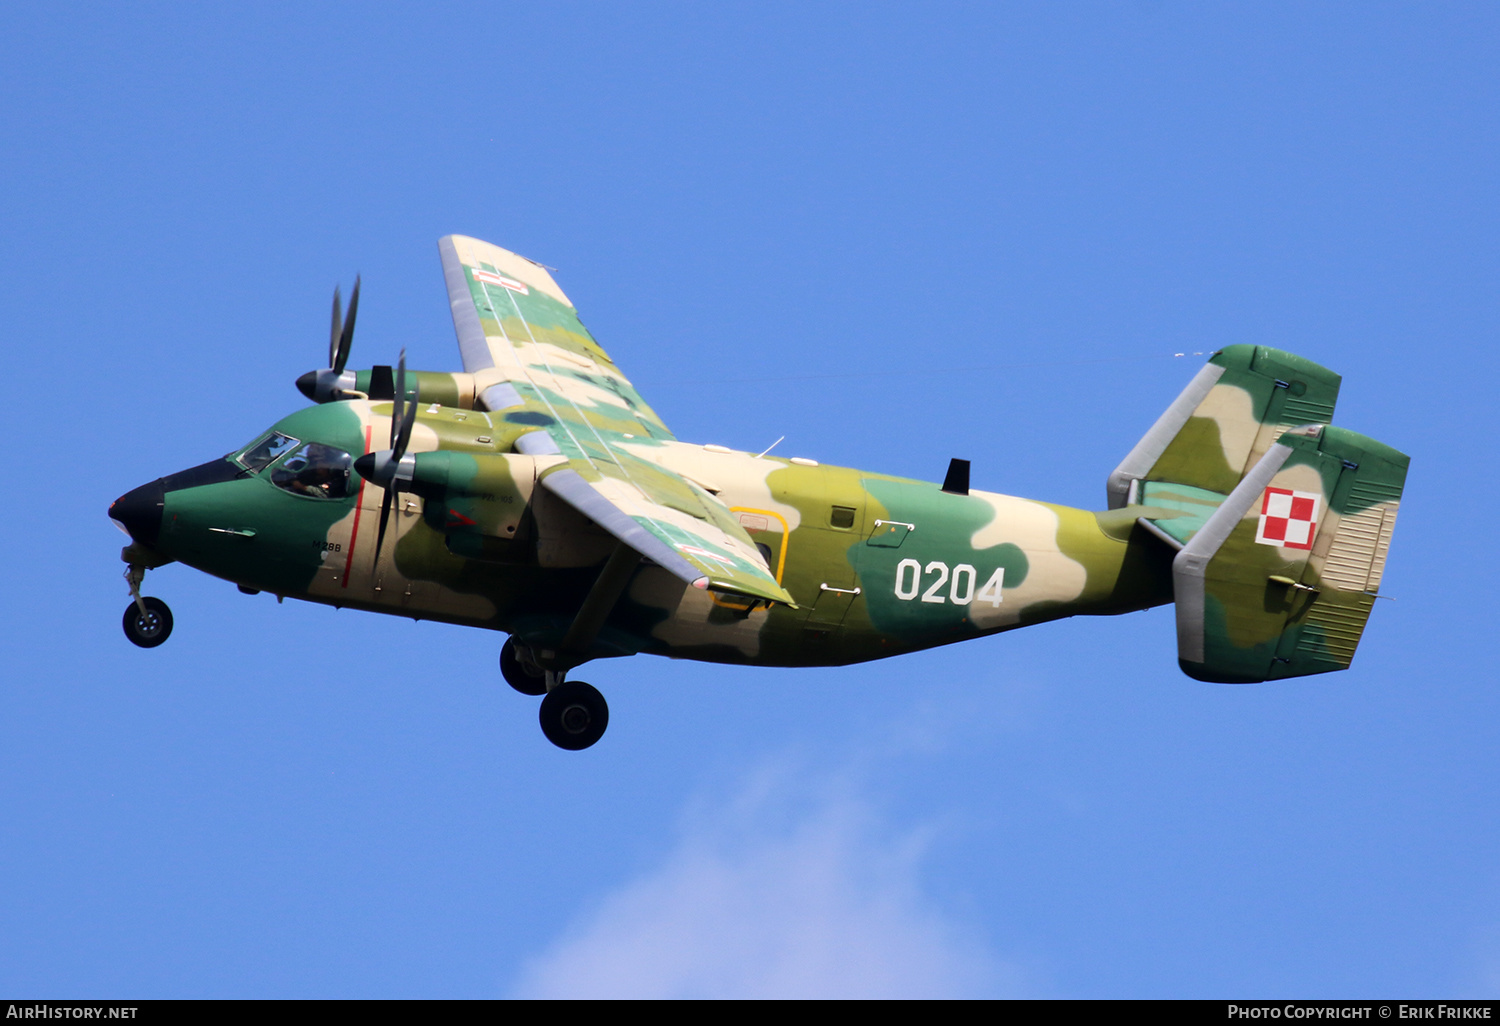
(878, 565)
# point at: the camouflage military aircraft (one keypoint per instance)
(537, 493)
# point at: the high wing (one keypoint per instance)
(522, 339)
(535, 362)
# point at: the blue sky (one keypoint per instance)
(894, 235)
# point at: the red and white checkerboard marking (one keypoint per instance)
(1287, 518)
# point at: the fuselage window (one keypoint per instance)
(318, 471)
(267, 451)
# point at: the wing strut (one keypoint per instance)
(601, 599)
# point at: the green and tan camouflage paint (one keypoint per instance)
(804, 564)
(483, 548)
(877, 565)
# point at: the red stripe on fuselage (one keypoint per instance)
(359, 504)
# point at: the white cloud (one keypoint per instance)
(778, 892)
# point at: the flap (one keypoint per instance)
(672, 522)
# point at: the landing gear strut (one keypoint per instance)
(574, 715)
(147, 621)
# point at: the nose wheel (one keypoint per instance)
(148, 622)
(574, 715)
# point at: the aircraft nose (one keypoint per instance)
(139, 511)
(307, 384)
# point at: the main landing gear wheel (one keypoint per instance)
(525, 679)
(150, 628)
(574, 715)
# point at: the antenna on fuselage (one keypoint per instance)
(957, 481)
(771, 446)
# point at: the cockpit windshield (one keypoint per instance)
(266, 451)
(315, 470)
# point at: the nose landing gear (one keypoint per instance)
(147, 621)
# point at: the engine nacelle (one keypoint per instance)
(492, 507)
(479, 501)
(379, 383)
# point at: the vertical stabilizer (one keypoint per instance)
(1280, 580)
(1220, 427)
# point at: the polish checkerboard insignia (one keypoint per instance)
(1287, 518)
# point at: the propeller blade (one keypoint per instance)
(398, 405)
(403, 416)
(407, 420)
(385, 515)
(346, 337)
(337, 328)
(406, 425)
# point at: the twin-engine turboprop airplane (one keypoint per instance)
(536, 493)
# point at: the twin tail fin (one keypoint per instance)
(1281, 521)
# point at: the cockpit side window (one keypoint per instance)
(318, 471)
(266, 451)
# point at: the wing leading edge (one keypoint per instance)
(535, 363)
(520, 336)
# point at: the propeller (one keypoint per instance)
(341, 336)
(331, 382)
(392, 468)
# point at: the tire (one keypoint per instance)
(517, 675)
(153, 628)
(574, 715)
